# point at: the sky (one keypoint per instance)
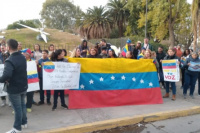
(14, 10)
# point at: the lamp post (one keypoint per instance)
(146, 21)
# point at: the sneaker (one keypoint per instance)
(65, 106)
(13, 112)
(40, 103)
(184, 95)
(34, 103)
(54, 108)
(192, 96)
(29, 110)
(3, 103)
(14, 131)
(48, 103)
(25, 126)
(9, 104)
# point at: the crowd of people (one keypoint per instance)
(102, 49)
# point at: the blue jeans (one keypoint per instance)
(173, 84)
(19, 106)
(199, 83)
(190, 80)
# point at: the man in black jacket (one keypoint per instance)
(160, 56)
(15, 79)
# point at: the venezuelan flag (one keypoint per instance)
(115, 82)
(125, 50)
(169, 64)
(32, 77)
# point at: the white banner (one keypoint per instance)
(171, 70)
(31, 75)
(61, 75)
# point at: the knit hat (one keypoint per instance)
(26, 51)
(128, 41)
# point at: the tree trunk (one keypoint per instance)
(120, 27)
(195, 41)
(171, 35)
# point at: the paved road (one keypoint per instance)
(189, 124)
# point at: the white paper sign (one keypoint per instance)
(171, 70)
(31, 68)
(2, 93)
(61, 75)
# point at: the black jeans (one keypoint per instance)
(42, 92)
(183, 76)
(62, 95)
(3, 98)
(29, 96)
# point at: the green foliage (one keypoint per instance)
(30, 23)
(119, 13)
(58, 13)
(96, 23)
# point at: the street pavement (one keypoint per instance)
(188, 124)
(43, 118)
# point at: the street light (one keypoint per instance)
(146, 22)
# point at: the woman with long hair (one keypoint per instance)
(93, 53)
(58, 56)
(77, 53)
(111, 53)
(84, 48)
(37, 53)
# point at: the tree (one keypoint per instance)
(96, 23)
(162, 16)
(195, 20)
(119, 13)
(58, 13)
(30, 23)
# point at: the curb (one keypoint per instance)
(108, 124)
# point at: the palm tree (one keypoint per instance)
(195, 20)
(119, 13)
(96, 23)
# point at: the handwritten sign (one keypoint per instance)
(171, 70)
(194, 66)
(61, 75)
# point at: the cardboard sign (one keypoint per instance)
(171, 70)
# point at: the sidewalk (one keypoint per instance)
(43, 118)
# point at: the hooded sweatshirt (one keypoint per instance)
(188, 60)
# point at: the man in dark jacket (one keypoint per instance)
(15, 79)
(160, 55)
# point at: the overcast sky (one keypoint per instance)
(14, 10)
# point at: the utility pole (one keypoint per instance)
(146, 21)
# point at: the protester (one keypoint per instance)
(199, 78)
(40, 64)
(171, 55)
(58, 56)
(147, 45)
(93, 53)
(141, 55)
(103, 43)
(137, 49)
(129, 55)
(29, 95)
(51, 49)
(148, 55)
(178, 51)
(19, 46)
(111, 54)
(84, 48)
(37, 53)
(15, 79)
(190, 75)
(65, 52)
(104, 52)
(160, 56)
(4, 55)
(127, 47)
(185, 55)
(77, 53)
(99, 48)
